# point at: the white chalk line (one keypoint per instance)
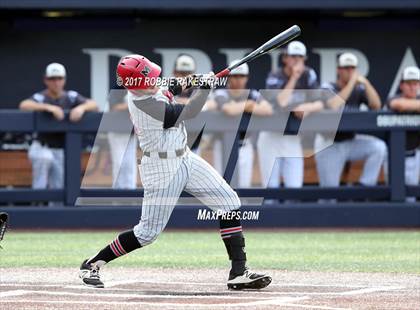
(233, 294)
(274, 301)
(114, 295)
(312, 306)
(12, 284)
(13, 293)
(116, 283)
(372, 290)
(124, 282)
(246, 292)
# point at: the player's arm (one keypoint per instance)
(172, 114)
(257, 105)
(405, 105)
(304, 109)
(313, 102)
(77, 112)
(262, 108)
(121, 106)
(340, 99)
(285, 94)
(32, 105)
(232, 108)
(210, 105)
(374, 101)
(89, 105)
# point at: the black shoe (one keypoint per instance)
(248, 280)
(90, 275)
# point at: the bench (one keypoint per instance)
(15, 170)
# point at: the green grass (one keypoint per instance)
(376, 251)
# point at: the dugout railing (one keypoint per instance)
(391, 127)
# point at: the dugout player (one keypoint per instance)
(236, 100)
(167, 168)
(291, 79)
(46, 151)
(352, 91)
(408, 101)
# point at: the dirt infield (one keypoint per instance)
(128, 288)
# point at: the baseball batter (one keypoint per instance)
(167, 168)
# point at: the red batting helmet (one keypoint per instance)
(137, 72)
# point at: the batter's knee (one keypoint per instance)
(232, 201)
(380, 148)
(145, 236)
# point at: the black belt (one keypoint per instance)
(164, 155)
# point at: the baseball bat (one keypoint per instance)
(277, 41)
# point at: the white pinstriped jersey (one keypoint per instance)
(150, 133)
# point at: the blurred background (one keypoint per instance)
(59, 172)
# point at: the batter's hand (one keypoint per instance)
(208, 81)
(203, 81)
(177, 85)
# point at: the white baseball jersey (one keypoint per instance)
(150, 132)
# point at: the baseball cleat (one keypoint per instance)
(248, 280)
(90, 275)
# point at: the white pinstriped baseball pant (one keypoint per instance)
(164, 180)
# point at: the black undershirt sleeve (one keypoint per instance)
(172, 114)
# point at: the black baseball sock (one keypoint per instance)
(231, 232)
(123, 244)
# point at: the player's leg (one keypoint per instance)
(293, 172)
(373, 150)
(41, 159)
(412, 171)
(292, 168)
(417, 168)
(245, 164)
(267, 154)
(330, 163)
(212, 190)
(56, 176)
(124, 243)
(163, 182)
